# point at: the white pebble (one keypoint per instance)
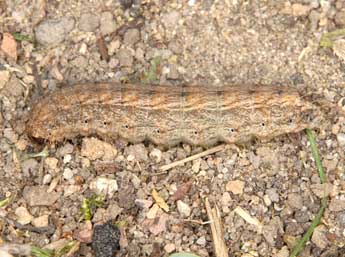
(68, 173)
(67, 158)
(341, 139)
(183, 208)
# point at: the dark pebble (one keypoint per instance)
(105, 240)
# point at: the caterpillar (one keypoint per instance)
(168, 115)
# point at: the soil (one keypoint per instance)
(46, 45)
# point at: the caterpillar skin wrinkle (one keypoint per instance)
(168, 115)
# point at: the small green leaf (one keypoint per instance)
(90, 203)
(183, 254)
(65, 249)
(39, 252)
(4, 202)
(328, 38)
(21, 37)
(152, 74)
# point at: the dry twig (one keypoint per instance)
(219, 245)
(193, 157)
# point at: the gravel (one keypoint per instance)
(107, 22)
(54, 31)
(197, 42)
(88, 22)
(38, 196)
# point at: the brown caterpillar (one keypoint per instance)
(168, 115)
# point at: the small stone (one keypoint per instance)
(191, 2)
(273, 195)
(23, 215)
(151, 214)
(337, 205)
(113, 63)
(88, 22)
(108, 24)
(300, 9)
(319, 237)
(267, 200)
(226, 199)
(9, 46)
(143, 203)
(135, 181)
(38, 196)
(169, 248)
(104, 186)
(70, 190)
(29, 167)
(66, 149)
(42, 221)
(29, 79)
(156, 154)
(4, 253)
(68, 173)
(51, 163)
(201, 241)
(21, 143)
(113, 46)
(11, 135)
(47, 178)
(314, 18)
(284, 252)
(138, 152)
(272, 230)
(183, 208)
(330, 165)
(170, 19)
(340, 18)
(341, 139)
(106, 239)
(67, 158)
(131, 37)
(125, 57)
(94, 148)
(80, 62)
(84, 233)
(236, 187)
(196, 165)
(4, 78)
(53, 32)
(83, 48)
(295, 201)
(173, 72)
(113, 211)
(321, 190)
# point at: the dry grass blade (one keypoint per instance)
(319, 215)
(246, 216)
(220, 248)
(193, 157)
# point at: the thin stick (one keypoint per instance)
(219, 245)
(193, 157)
